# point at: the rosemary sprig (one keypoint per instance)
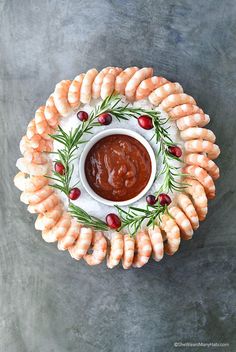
(85, 219)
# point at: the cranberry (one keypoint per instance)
(150, 199)
(176, 151)
(59, 168)
(82, 115)
(113, 221)
(145, 122)
(74, 193)
(164, 199)
(105, 119)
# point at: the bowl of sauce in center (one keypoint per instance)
(117, 166)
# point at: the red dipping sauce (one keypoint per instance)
(118, 167)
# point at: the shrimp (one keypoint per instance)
(200, 146)
(185, 204)
(184, 110)
(116, 250)
(49, 219)
(108, 83)
(99, 247)
(135, 80)
(163, 91)
(59, 230)
(173, 100)
(194, 120)
(36, 157)
(128, 255)
(198, 133)
(20, 180)
(51, 112)
(148, 85)
(157, 243)
(31, 129)
(82, 244)
(29, 184)
(74, 91)
(31, 168)
(86, 86)
(46, 205)
(143, 249)
(182, 221)
(70, 237)
(41, 123)
(204, 162)
(97, 83)
(203, 177)
(172, 233)
(37, 143)
(60, 98)
(37, 196)
(197, 192)
(123, 78)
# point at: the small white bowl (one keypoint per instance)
(94, 140)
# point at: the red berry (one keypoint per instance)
(59, 168)
(105, 119)
(74, 193)
(145, 122)
(113, 221)
(164, 199)
(82, 115)
(150, 199)
(176, 151)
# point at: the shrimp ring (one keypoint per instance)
(182, 221)
(163, 91)
(148, 85)
(203, 177)
(99, 247)
(185, 204)
(173, 100)
(59, 230)
(204, 162)
(46, 204)
(135, 80)
(49, 219)
(70, 237)
(123, 78)
(82, 244)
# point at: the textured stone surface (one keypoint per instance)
(49, 302)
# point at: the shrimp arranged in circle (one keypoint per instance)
(61, 98)
(27, 183)
(182, 221)
(163, 91)
(59, 230)
(184, 110)
(185, 204)
(123, 78)
(148, 85)
(135, 80)
(70, 237)
(194, 120)
(35, 197)
(172, 233)
(37, 143)
(177, 99)
(197, 192)
(143, 249)
(41, 123)
(203, 177)
(82, 244)
(74, 91)
(199, 146)
(116, 250)
(128, 255)
(108, 83)
(46, 205)
(97, 83)
(49, 219)
(157, 243)
(204, 162)
(198, 133)
(32, 168)
(99, 247)
(51, 112)
(86, 86)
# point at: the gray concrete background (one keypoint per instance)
(49, 302)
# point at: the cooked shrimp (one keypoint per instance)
(194, 120)
(116, 250)
(108, 83)
(70, 237)
(200, 146)
(37, 143)
(123, 78)
(20, 180)
(135, 80)
(74, 91)
(41, 123)
(46, 205)
(157, 243)
(49, 219)
(82, 244)
(173, 100)
(172, 233)
(203, 177)
(182, 221)
(184, 202)
(31, 129)
(59, 230)
(86, 86)
(60, 97)
(128, 255)
(184, 110)
(198, 133)
(36, 157)
(204, 162)
(97, 83)
(51, 113)
(143, 249)
(163, 91)
(99, 248)
(148, 85)
(31, 168)
(197, 192)
(36, 196)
